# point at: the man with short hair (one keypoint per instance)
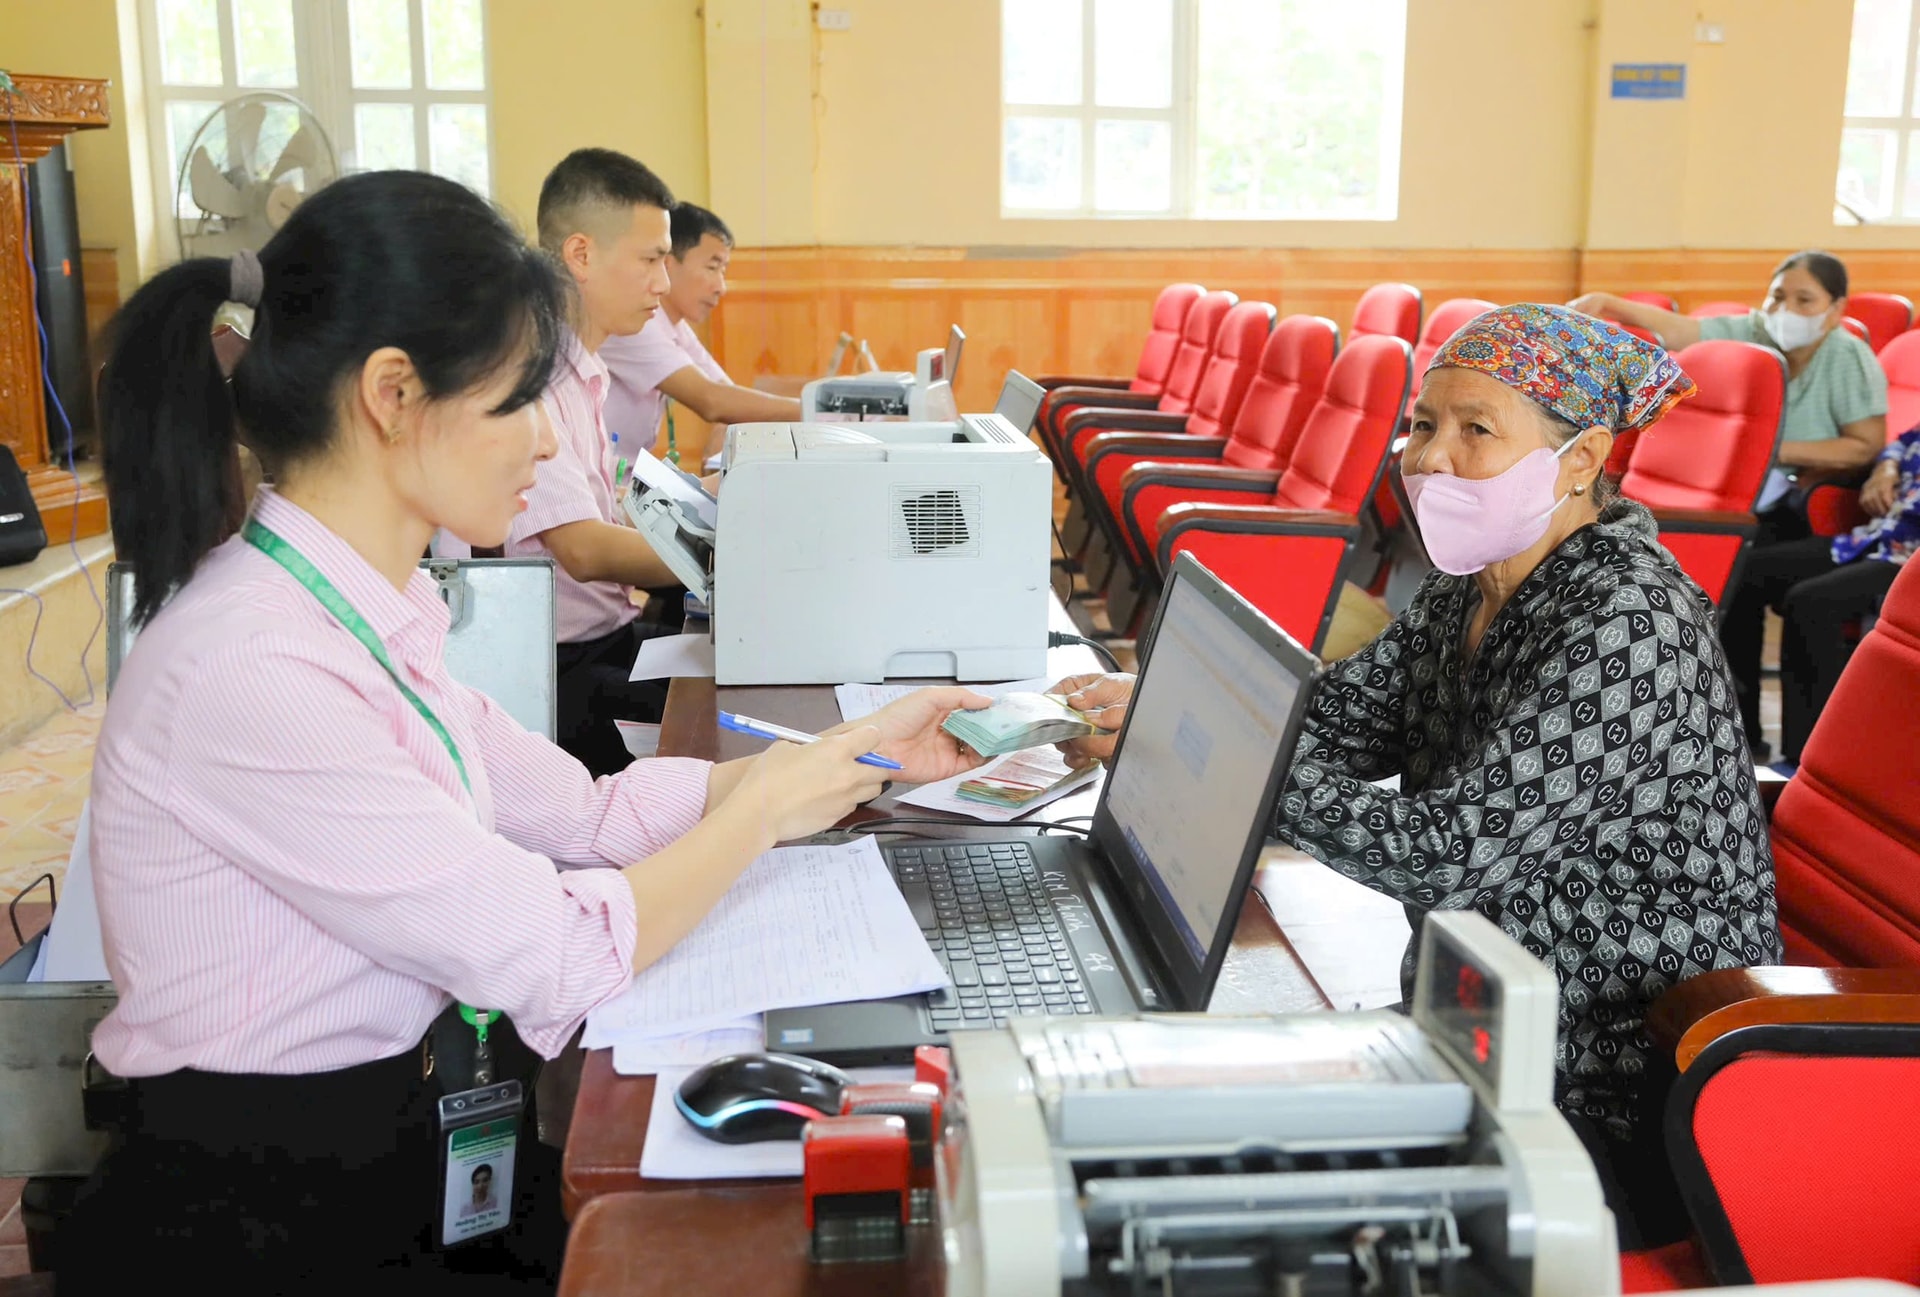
(665, 360)
(604, 218)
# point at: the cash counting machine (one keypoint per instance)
(843, 552)
(1314, 1153)
(923, 396)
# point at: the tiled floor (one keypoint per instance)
(43, 784)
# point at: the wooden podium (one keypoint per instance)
(44, 111)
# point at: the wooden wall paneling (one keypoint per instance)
(1065, 311)
(1012, 332)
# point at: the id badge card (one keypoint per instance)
(479, 1131)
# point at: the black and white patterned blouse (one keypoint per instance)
(1583, 781)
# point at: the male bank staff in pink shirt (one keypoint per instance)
(603, 217)
(666, 359)
(309, 841)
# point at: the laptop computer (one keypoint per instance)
(1140, 914)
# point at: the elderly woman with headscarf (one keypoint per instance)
(1556, 705)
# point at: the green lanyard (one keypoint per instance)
(259, 536)
(270, 543)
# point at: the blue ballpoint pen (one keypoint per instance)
(768, 730)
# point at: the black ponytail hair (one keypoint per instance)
(384, 259)
(1827, 270)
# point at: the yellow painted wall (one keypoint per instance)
(112, 188)
(888, 134)
(1493, 146)
(623, 74)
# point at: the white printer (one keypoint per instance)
(1309, 1153)
(843, 552)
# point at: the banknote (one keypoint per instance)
(1019, 721)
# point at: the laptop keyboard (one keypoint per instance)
(987, 916)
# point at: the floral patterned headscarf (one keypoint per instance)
(1587, 371)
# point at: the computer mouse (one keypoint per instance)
(746, 1098)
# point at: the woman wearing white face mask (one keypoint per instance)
(1558, 711)
(1835, 424)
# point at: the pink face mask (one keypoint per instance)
(1466, 524)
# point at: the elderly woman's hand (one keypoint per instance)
(1103, 700)
(1877, 494)
(1599, 305)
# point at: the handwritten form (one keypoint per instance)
(804, 925)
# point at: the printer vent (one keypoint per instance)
(935, 522)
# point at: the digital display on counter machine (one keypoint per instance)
(1465, 1009)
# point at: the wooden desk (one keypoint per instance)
(748, 1236)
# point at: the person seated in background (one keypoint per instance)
(1558, 711)
(666, 361)
(1836, 422)
(603, 218)
(1821, 587)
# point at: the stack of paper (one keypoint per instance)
(803, 925)
(646, 1055)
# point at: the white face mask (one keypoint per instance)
(1791, 330)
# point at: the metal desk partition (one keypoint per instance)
(501, 641)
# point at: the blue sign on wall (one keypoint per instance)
(1649, 81)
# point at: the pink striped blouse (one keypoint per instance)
(291, 876)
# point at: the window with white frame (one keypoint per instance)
(393, 83)
(1211, 109)
(1879, 178)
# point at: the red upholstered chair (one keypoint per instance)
(1790, 1128)
(1282, 540)
(1389, 310)
(1885, 315)
(1662, 300)
(1287, 383)
(1856, 328)
(1176, 396)
(1224, 374)
(1701, 468)
(1707, 310)
(1846, 831)
(1441, 325)
(1149, 379)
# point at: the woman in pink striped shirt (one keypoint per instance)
(309, 840)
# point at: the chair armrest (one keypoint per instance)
(1248, 520)
(1108, 398)
(1710, 521)
(1834, 510)
(1693, 1014)
(1123, 419)
(1173, 445)
(1051, 381)
(1209, 477)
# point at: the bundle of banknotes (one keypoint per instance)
(1018, 721)
(1019, 779)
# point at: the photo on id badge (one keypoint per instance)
(477, 1189)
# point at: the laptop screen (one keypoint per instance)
(1208, 735)
(1019, 401)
